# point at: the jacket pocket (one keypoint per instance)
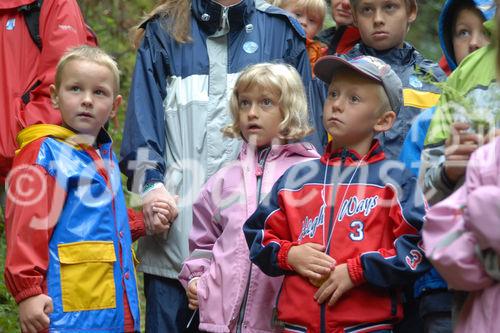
(87, 280)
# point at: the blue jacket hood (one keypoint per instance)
(486, 7)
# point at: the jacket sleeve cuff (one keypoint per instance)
(153, 176)
(27, 293)
(283, 256)
(136, 224)
(447, 183)
(355, 269)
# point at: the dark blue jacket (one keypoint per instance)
(416, 74)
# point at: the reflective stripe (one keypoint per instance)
(420, 99)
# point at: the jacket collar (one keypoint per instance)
(38, 131)
(334, 156)
(209, 14)
(404, 55)
(303, 148)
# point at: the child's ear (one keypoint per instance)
(412, 15)
(53, 96)
(385, 121)
(354, 18)
(116, 105)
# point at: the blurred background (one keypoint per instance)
(112, 20)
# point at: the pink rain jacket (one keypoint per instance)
(462, 240)
(233, 292)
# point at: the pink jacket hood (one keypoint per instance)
(219, 253)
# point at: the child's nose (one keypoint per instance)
(87, 99)
(477, 41)
(337, 104)
(253, 112)
(346, 5)
(378, 18)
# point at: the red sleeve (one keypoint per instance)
(34, 202)
(61, 27)
(136, 224)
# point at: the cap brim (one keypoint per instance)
(326, 66)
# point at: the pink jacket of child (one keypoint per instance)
(232, 292)
(462, 240)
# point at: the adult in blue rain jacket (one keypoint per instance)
(189, 56)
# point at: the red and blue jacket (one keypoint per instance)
(69, 234)
(368, 212)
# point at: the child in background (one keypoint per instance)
(461, 29)
(311, 15)
(269, 110)
(361, 210)
(342, 37)
(69, 262)
(383, 26)
(461, 32)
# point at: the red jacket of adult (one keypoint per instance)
(22, 65)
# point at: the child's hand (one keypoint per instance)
(33, 313)
(335, 286)
(192, 294)
(158, 197)
(163, 215)
(310, 261)
(458, 149)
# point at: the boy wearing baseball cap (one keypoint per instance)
(344, 229)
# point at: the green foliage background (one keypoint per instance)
(112, 20)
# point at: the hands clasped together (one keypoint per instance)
(310, 261)
(160, 210)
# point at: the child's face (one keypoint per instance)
(311, 22)
(341, 12)
(383, 24)
(352, 112)
(468, 34)
(259, 115)
(85, 97)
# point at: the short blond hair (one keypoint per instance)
(318, 7)
(92, 54)
(287, 83)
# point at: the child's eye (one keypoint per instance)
(390, 7)
(332, 94)
(244, 103)
(463, 33)
(366, 10)
(355, 99)
(75, 88)
(267, 102)
(298, 14)
(99, 92)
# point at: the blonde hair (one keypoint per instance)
(92, 54)
(317, 7)
(287, 83)
(178, 15)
